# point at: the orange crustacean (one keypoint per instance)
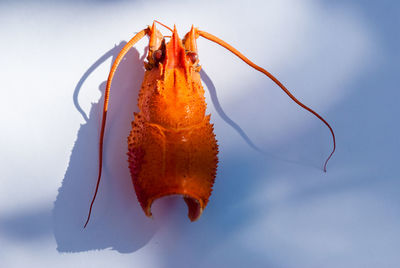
(172, 148)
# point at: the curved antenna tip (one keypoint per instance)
(162, 24)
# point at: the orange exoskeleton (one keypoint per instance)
(172, 149)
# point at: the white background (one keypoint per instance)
(270, 209)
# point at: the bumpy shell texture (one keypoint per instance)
(172, 149)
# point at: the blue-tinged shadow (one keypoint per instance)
(262, 152)
(27, 225)
(213, 93)
(95, 65)
(117, 220)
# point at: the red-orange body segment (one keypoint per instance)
(172, 147)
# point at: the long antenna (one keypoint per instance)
(162, 24)
(258, 68)
(114, 67)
